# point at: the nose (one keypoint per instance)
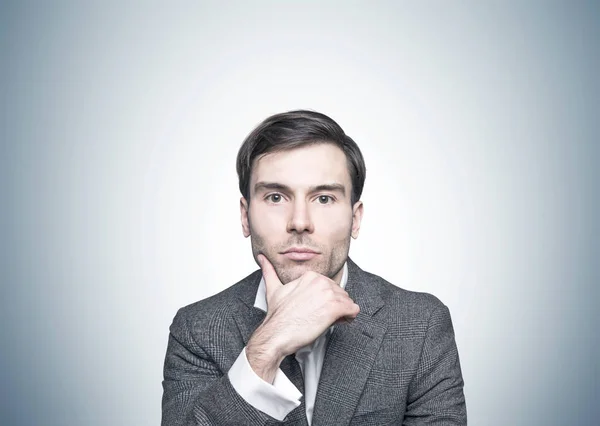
(300, 218)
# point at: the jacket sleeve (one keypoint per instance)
(195, 391)
(435, 395)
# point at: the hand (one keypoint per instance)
(298, 313)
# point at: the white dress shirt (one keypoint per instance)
(280, 398)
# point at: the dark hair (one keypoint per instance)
(294, 129)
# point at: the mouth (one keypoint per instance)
(300, 253)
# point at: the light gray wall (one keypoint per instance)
(119, 202)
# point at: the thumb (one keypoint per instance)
(272, 282)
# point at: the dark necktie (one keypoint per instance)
(291, 369)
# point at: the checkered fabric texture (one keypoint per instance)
(395, 364)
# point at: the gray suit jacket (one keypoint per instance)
(395, 364)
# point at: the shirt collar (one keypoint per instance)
(260, 301)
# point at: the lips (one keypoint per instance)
(300, 253)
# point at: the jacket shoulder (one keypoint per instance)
(395, 294)
(218, 304)
(410, 311)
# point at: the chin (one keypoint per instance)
(294, 270)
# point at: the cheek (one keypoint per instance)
(265, 221)
(335, 225)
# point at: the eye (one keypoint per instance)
(325, 199)
(274, 198)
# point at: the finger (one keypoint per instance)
(344, 320)
(349, 317)
(348, 310)
(344, 310)
(272, 282)
(340, 291)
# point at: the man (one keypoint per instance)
(310, 338)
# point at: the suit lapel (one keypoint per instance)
(248, 320)
(249, 317)
(350, 354)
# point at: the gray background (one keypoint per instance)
(119, 202)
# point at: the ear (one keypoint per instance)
(244, 217)
(357, 214)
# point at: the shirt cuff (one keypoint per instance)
(277, 399)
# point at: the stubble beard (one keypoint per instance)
(328, 263)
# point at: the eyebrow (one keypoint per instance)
(333, 187)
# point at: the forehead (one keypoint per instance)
(305, 166)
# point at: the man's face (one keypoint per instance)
(300, 215)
